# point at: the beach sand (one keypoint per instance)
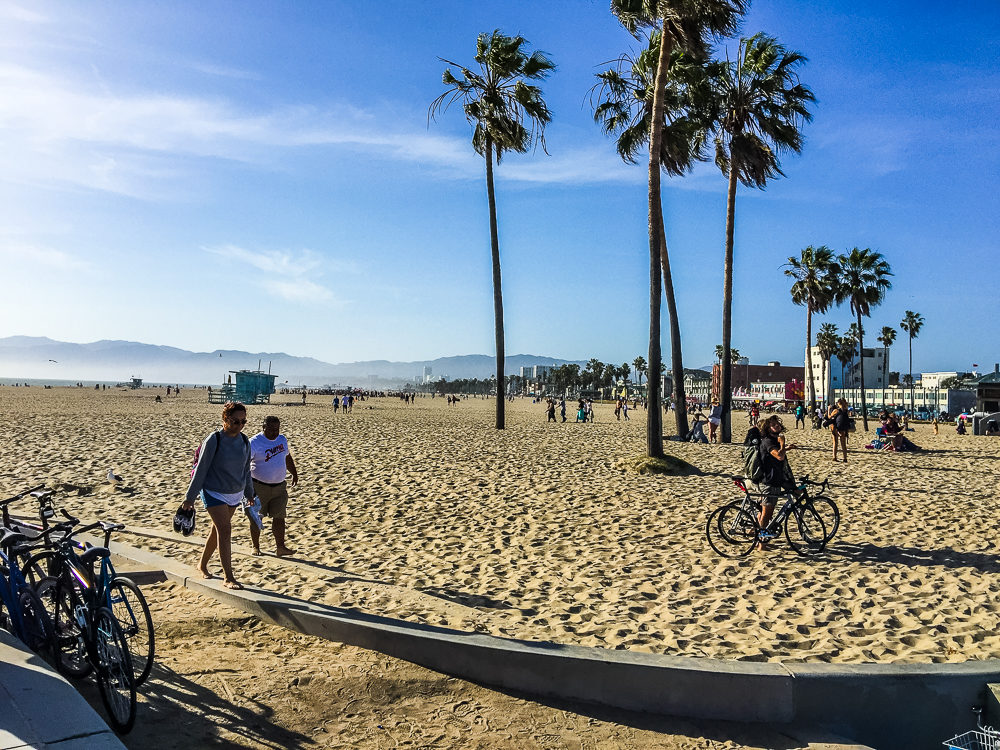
(426, 513)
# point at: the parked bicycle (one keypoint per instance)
(116, 592)
(86, 633)
(21, 611)
(733, 530)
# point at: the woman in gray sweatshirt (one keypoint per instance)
(221, 480)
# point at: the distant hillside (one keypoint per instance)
(39, 357)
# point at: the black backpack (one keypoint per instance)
(753, 465)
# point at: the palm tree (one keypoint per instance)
(911, 324)
(762, 106)
(639, 363)
(847, 347)
(863, 282)
(826, 343)
(854, 334)
(815, 274)
(499, 103)
(887, 336)
(684, 26)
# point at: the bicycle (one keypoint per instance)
(734, 531)
(86, 634)
(21, 610)
(824, 507)
(119, 594)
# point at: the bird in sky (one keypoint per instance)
(52, 360)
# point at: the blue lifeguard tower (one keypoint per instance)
(251, 387)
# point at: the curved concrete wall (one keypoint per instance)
(886, 705)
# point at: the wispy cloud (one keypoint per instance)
(40, 259)
(293, 276)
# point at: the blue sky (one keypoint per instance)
(262, 176)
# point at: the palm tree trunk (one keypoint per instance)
(727, 311)
(809, 358)
(654, 414)
(676, 362)
(497, 296)
(861, 370)
(911, 375)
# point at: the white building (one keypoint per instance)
(934, 379)
(535, 372)
(829, 378)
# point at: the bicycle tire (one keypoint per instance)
(809, 537)
(69, 649)
(39, 566)
(132, 612)
(115, 673)
(731, 531)
(35, 621)
(829, 512)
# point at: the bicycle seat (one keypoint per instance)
(10, 538)
(107, 526)
(42, 495)
(94, 553)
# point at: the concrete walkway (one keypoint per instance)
(40, 709)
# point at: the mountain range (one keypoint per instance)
(113, 361)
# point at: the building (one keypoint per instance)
(252, 387)
(536, 372)
(828, 378)
(935, 379)
(988, 392)
(428, 372)
(914, 400)
(770, 382)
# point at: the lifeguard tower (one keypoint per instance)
(135, 383)
(251, 387)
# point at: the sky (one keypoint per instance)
(263, 176)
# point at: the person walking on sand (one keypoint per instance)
(840, 425)
(550, 408)
(800, 416)
(221, 479)
(270, 461)
(562, 408)
(714, 419)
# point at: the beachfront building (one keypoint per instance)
(935, 379)
(920, 400)
(772, 382)
(988, 392)
(535, 379)
(698, 386)
(828, 378)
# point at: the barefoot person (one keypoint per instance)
(270, 460)
(840, 425)
(221, 480)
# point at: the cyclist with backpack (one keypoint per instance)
(221, 480)
(777, 475)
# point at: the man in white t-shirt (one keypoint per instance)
(270, 460)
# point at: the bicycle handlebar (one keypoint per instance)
(19, 495)
(104, 526)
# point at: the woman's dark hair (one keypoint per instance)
(773, 420)
(232, 406)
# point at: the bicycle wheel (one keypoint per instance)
(35, 621)
(38, 566)
(115, 674)
(809, 534)
(829, 512)
(69, 650)
(731, 531)
(132, 612)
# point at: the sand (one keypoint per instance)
(426, 513)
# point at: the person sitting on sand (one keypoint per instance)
(698, 429)
(840, 425)
(270, 461)
(960, 428)
(221, 480)
(893, 430)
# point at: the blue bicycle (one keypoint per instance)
(21, 610)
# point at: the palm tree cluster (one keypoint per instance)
(672, 100)
(859, 278)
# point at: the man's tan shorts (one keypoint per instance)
(273, 498)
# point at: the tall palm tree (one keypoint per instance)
(911, 324)
(863, 282)
(507, 114)
(762, 107)
(847, 347)
(639, 363)
(854, 334)
(815, 276)
(887, 336)
(684, 26)
(826, 342)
